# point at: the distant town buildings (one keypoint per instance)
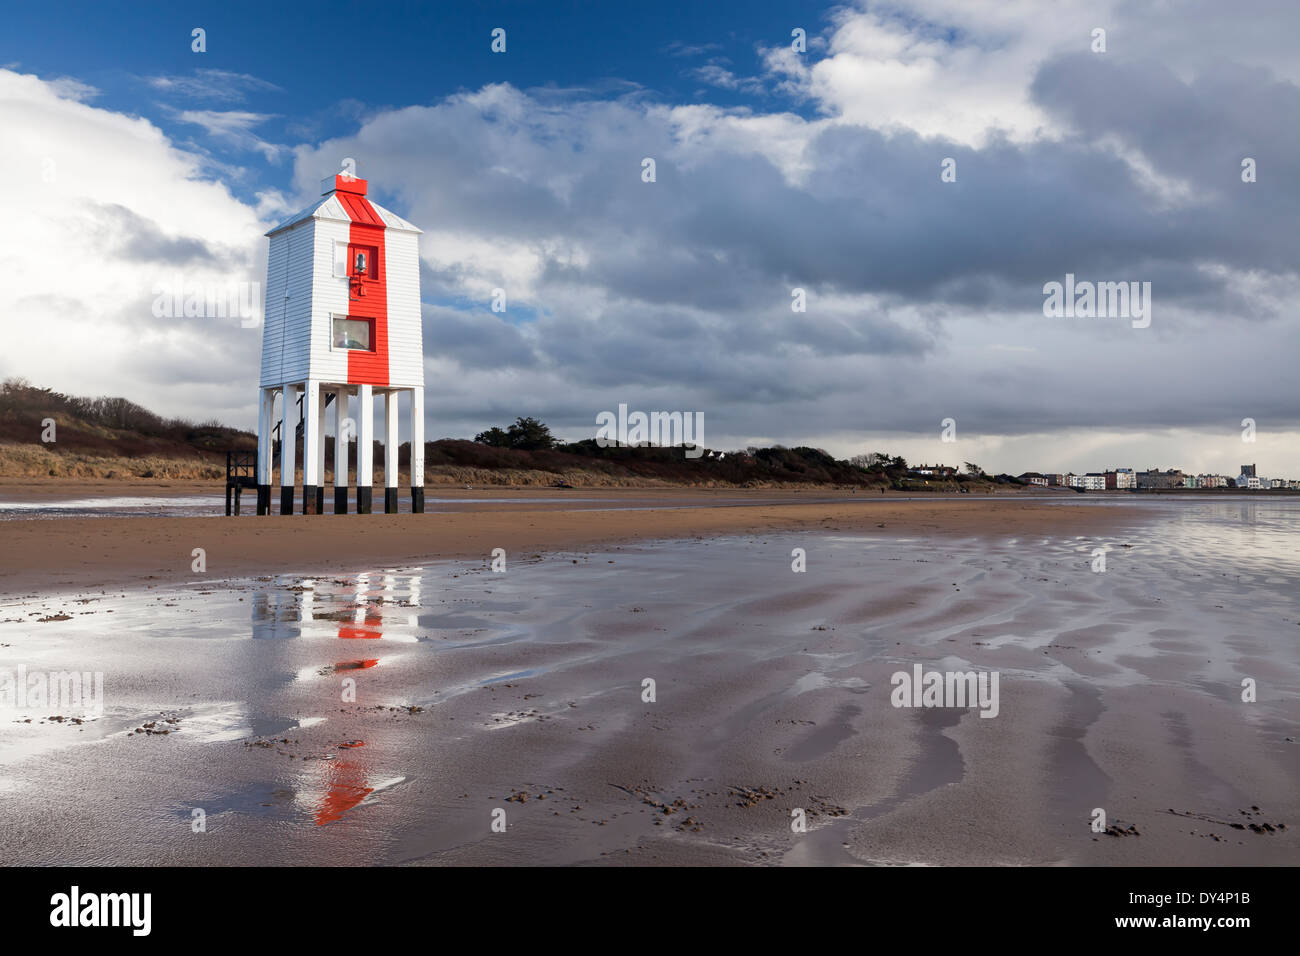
(1121, 479)
(1128, 479)
(1093, 481)
(1155, 478)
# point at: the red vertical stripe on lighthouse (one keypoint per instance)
(368, 368)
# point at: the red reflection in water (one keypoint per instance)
(369, 629)
(345, 788)
(345, 784)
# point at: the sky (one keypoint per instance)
(921, 170)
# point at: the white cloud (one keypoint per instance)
(70, 88)
(234, 128)
(717, 75)
(958, 69)
(105, 202)
(222, 85)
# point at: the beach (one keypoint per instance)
(70, 550)
(367, 690)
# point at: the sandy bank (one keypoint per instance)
(83, 553)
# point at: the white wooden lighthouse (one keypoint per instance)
(342, 324)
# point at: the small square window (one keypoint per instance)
(352, 333)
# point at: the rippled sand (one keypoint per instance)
(523, 691)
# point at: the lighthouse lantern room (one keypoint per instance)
(342, 326)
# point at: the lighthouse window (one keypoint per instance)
(361, 261)
(352, 333)
(351, 259)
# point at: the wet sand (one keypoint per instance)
(70, 553)
(522, 691)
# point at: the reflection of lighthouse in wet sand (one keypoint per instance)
(342, 322)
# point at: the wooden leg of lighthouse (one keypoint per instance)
(320, 451)
(365, 447)
(417, 450)
(311, 477)
(266, 406)
(390, 452)
(288, 406)
(340, 452)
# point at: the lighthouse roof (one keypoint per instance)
(355, 208)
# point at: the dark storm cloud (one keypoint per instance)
(1197, 132)
(479, 339)
(873, 217)
(924, 297)
(141, 240)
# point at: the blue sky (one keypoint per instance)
(136, 162)
(313, 71)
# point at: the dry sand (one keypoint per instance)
(75, 553)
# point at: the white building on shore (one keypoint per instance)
(343, 328)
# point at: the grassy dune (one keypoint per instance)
(117, 440)
(39, 462)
